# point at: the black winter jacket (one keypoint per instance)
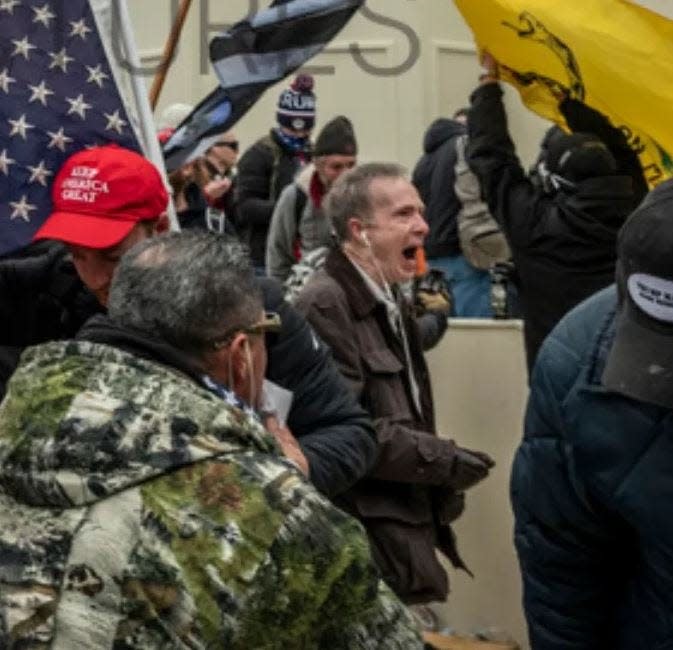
(260, 182)
(592, 489)
(563, 245)
(334, 431)
(42, 298)
(434, 178)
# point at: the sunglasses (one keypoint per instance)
(270, 322)
(232, 144)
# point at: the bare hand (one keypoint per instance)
(217, 188)
(489, 63)
(288, 444)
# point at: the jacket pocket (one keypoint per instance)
(407, 560)
(385, 393)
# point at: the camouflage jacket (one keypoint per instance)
(138, 510)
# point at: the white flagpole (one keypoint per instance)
(142, 102)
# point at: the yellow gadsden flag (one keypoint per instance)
(613, 55)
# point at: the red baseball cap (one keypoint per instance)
(100, 194)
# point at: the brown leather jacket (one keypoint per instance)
(404, 497)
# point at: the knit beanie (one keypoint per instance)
(296, 105)
(578, 156)
(336, 137)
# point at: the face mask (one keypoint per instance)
(293, 142)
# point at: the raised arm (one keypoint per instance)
(492, 157)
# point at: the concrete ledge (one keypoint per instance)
(441, 642)
(486, 324)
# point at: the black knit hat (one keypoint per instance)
(336, 137)
(578, 156)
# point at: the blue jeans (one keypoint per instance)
(471, 287)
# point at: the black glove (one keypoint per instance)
(469, 468)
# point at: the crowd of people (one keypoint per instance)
(225, 436)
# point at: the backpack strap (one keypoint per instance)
(300, 200)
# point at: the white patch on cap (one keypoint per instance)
(298, 124)
(653, 295)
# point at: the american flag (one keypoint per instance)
(57, 96)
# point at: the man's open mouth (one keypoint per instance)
(410, 252)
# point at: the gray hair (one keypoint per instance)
(350, 197)
(187, 288)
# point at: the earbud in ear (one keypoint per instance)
(365, 239)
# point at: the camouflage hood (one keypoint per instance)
(82, 421)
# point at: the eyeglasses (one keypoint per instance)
(232, 144)
(270, 322)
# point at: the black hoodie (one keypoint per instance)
(434, 178)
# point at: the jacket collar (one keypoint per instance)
(361, 300)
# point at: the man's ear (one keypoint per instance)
(228, 365)
(162, 224)
(356, 230)
(238, 362)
